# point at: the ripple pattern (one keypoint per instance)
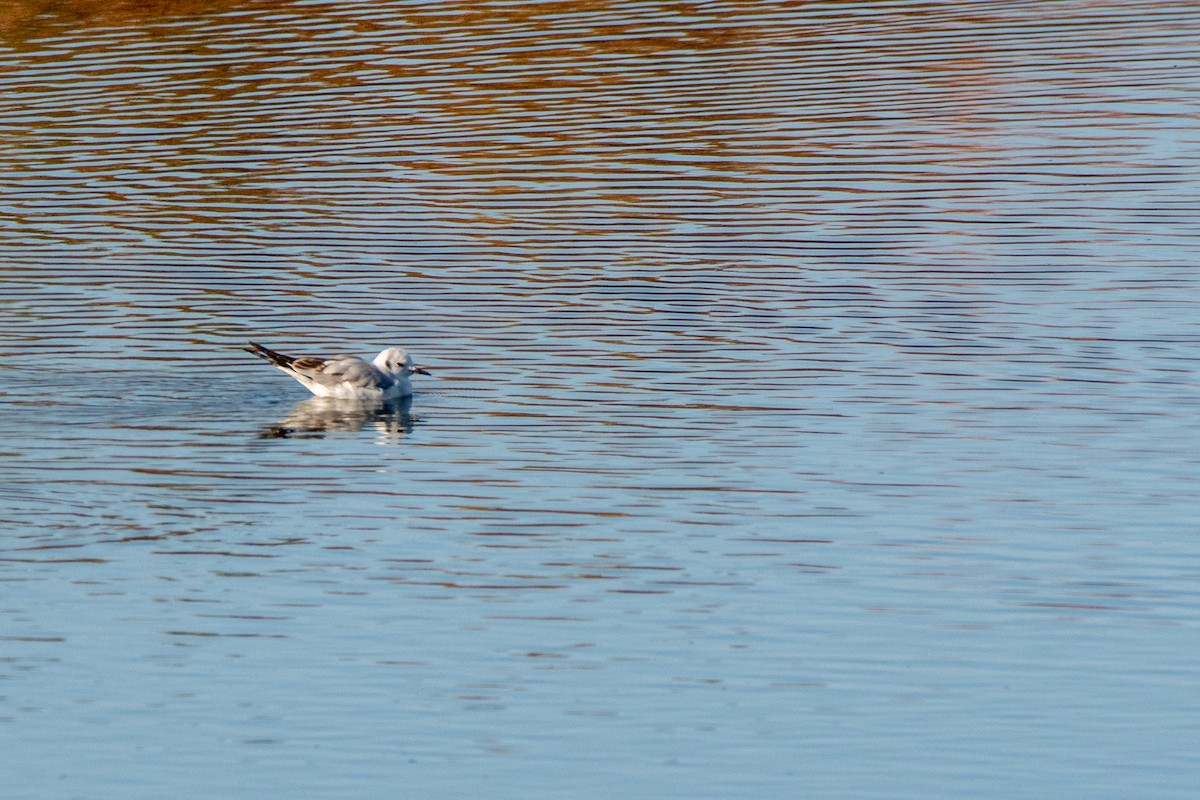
(802, 372)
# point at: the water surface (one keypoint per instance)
(814, 402)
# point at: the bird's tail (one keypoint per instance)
(278, 359)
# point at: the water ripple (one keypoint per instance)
(774, 345)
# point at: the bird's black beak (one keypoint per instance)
(420, 371)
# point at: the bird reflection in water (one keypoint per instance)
(317, 416)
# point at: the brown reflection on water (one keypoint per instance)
(534, 94)
(23, 20)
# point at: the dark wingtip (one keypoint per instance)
(278, 359)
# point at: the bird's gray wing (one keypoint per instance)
(342, 369)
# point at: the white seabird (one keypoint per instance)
(348, 377)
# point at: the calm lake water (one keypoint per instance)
(814, 409)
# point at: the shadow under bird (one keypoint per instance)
(348, 377)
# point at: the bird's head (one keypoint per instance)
(397, 361)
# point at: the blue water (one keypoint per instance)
(813, 409)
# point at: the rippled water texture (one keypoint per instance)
(813, 411)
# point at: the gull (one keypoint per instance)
(348, 377)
